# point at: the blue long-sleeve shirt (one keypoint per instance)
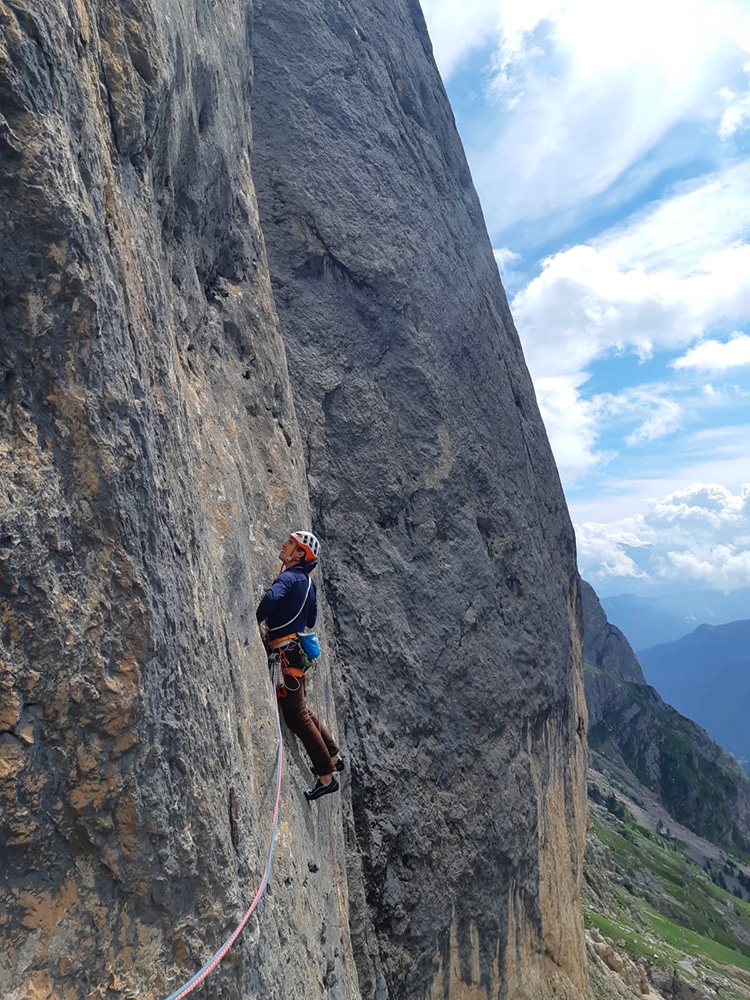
(284, 607)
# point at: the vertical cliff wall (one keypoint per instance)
(450, 574)
(150, 465)
(155, 446)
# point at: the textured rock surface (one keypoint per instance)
(632, 976)
(631, 727)
(608, 652)
(149, 462)
(604, 645)
(451, 578)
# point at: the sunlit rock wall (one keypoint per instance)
(150, 464)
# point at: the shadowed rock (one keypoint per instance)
(450, 580)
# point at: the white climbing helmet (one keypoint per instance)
(307, 541)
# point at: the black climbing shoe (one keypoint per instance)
(319, 789)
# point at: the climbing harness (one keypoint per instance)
(283, 641)
(214, 961)
(282, 668)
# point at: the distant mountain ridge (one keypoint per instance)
(632, 730)
(706, 676)
(651, 620)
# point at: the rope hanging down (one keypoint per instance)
(211, 964)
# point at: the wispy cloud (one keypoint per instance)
(583, 89)
(507, 263)
(717, 356)
(644, 286)
(505, 256)
(457, 27)
(664, 418)
(736, 116)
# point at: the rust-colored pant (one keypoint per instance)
(316, 739)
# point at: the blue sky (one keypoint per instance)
(610, 146)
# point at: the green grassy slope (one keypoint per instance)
(662, 909)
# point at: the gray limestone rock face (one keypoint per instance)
(604, 645)
(449, 560)
(609, 659)
(151, 462)
(150, 466)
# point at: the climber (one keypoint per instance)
(288, 608)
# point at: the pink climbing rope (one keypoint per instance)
(212, 963)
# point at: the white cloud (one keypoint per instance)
(699, 497)
(601, 553)
(656, 283)
(457, 27)
(589, 301)
(571, 424)
(736, 117)
(586, 303)
(700, 533)
(576, 85)
(720, 566)
(605, 550)
(661, 280)
(715, 356)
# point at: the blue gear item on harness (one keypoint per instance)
(310, 646)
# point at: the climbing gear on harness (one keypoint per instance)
(308, 542)
(292, 656)
(319, 789)
(310, 646)
(283, 640)
(215, 959)
(286, 659)
(277, 674)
